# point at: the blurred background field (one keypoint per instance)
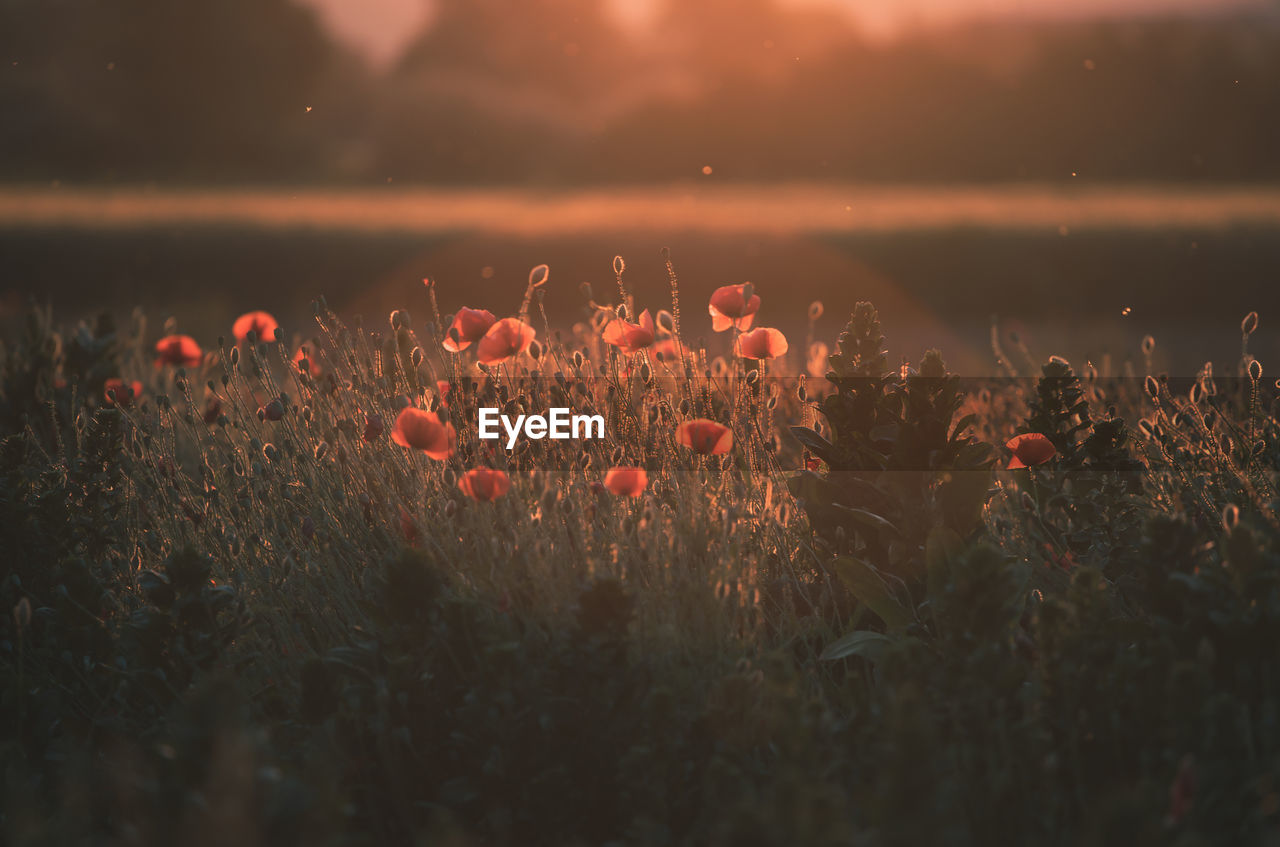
(953, 160)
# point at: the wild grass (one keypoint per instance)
(241, 608)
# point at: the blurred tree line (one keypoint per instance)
(557, 91)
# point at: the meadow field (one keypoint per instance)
(1085, 272)
(818, 584)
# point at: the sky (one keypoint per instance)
(380, 29)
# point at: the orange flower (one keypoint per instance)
(506, 338)
(629, 337)
(628, 482)
(762, 343)
(179, 350)
(307, 354)
(419, 430)
(121, 393)
(704, 437)
(731, 307)
(1029, 449)
(484, 484)
(470, 325)
(262, 323)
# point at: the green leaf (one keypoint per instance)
(941, 548)
(870, 519)
(865, 583)
(811, 439)
(862, 643)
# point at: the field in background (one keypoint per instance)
(1059, 267)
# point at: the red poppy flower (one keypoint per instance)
(506, 338)
(262, 323)
(626, 482)
(731, 307)
(704, 437)
(408, 528)
(420, 430)
(1066, 561)
(121, 393)
(181, 350)
(1029, 449)
(307, 354)
(471, 325)
(762, 343)
(484, 484)
(629, 337)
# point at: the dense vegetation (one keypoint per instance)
(279, 593)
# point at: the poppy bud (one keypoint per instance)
(322, 450)
(1230, 516)
(1152, 386)
(1255, 370)
(235, 356)
(272, 411)
(539, 276)
(416, 356)
(1249, 324)
(22, 614)
(308, 527)
(1148, 344)
(269, 452)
